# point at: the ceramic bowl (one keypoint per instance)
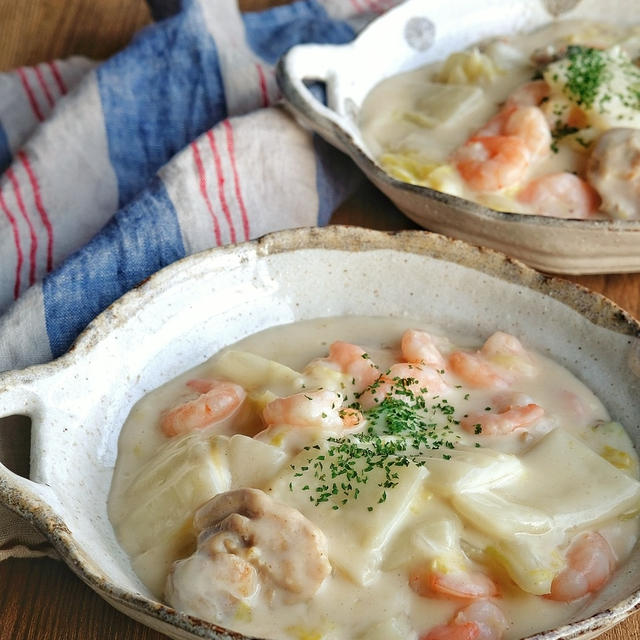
(418, 32)
(188, 311)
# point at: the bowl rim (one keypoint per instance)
(595, 307)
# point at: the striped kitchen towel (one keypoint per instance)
(177, 144)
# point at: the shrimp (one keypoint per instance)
(530, 125)
(403, 380)
(494, 126)
(350, 417)
(295, 421)
(419, 346)
(477, 371)
(507, 351)
(562, 195)
(530, 94)
(422, 377)
(307, 409)
(481, 620)
(501, 342)
(492, 163)
(218, 400)
(201, 385)
(503, 422)
(487, 616)
(453, 631)
(590, 561)
(498, 155)
(467, 585)
(353, 361)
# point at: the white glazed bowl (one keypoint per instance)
(421, 31)
(189, 310)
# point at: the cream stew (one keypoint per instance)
(543, 123)
(350, 478)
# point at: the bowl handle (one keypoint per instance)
(313, 63)
(19, 397)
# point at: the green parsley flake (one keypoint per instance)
(586, 73)
(401, 428)
(560, 131)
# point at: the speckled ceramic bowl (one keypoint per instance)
(188, 311)
(418, 32)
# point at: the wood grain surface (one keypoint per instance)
(41, 599)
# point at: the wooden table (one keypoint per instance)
(40, 598)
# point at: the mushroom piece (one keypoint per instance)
(248, 544)
(544, 56)
(613, 169)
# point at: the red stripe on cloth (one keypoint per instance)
(33, 250)
(356, 5)
(16, 240)
(44, 86)
(373, 5)
(29, 92)
(223, 199)
(22, 156)
(202, 181)
(264, 92)
(236, 179)
(57, 77)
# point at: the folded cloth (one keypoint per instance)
(177, 144)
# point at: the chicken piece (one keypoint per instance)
(288, 548)
(613, 169)
(248, 544)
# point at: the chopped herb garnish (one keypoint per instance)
(401, 427)
(586, 72)
(599, 80)
(559, 132)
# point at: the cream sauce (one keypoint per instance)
(415, 123)
(160, 482)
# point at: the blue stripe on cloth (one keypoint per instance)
(272, 32)
(140, 239)
(5, 151)
(336, 178)
(159, 94)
